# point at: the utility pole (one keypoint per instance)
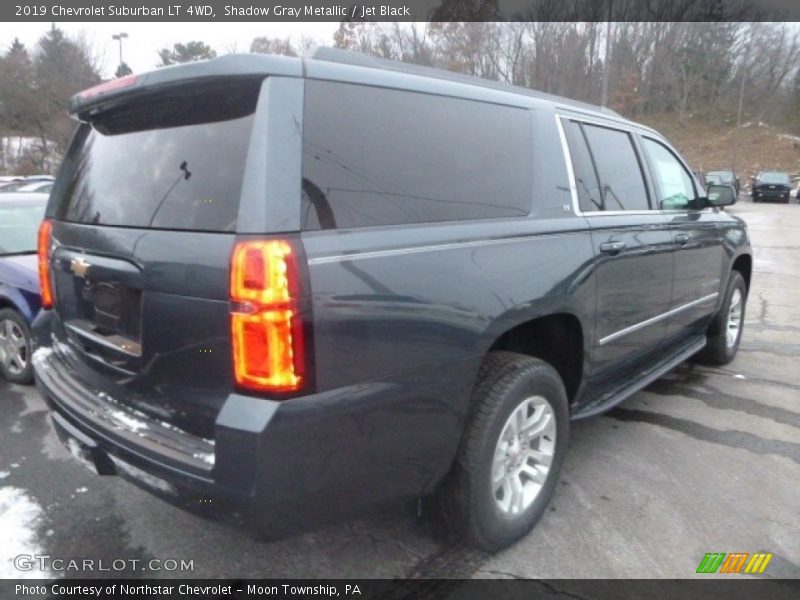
(119, 37)
(606, 63)
(741, 103)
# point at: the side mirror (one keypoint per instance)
(721, 195)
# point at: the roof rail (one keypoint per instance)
(348, 57)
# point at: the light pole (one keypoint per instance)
(119, 37)
(606, 66)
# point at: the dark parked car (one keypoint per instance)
(726, 177)
(20, 216)
(286, 290)
(771, 185)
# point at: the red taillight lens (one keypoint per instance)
(43, 250)
(266, 328)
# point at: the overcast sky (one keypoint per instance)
(145, 39)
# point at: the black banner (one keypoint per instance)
(733, 588)
(400, 10)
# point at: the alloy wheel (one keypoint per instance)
(13, 347)
(523, 455)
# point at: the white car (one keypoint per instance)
(42, 187)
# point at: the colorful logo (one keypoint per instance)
(734, 562)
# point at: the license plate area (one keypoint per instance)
(99, 300)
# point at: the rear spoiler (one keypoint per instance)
(92, 101)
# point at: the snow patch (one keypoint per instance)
(127, 420)
(143, 476)
(206, 457)
(79, 454)
(15, 465)
(82, 490)
(41, 354)
(739, 376)
(19, 519)
(4, 474)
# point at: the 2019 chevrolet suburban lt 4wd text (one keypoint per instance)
(282, 290)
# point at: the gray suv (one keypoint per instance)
(279, 291)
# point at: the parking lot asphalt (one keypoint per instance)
(703, 460)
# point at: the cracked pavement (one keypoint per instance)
(704, 460)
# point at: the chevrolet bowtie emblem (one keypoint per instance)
(79, 267)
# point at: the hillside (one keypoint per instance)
(709, 146)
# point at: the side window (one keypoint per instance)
(589, 197)
(674, 187)
(373, 156)
(621, 180)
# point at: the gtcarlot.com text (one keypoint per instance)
(48, 563)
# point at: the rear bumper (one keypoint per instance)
(279, 467)
(771, 195)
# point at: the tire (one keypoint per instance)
(15, 347)
(721, 349)
(474, 507)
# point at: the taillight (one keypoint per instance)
(266, 327)
(43, 250)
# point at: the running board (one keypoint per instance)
(645, 377)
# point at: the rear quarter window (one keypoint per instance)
(374, 156)
(171, 161)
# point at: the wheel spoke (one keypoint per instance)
(534, 473)
(517, 495)
(17, 362)
(539, 427)
(541, 458)
(504, 503)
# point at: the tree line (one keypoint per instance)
(636, 68)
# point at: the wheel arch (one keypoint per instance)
(744, 265)
(557, 338)
(13, 299)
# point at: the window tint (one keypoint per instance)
(589, 197)
(621, 179)
(674, 187)
(173, 161)
(373, 157)
(773, 177)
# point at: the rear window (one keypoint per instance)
(170, 161)
(19, 222)
(375, 156)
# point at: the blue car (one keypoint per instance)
(20, 216)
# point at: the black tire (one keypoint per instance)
(12, 372)
(717, 350)
(467, 498)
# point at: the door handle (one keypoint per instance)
(612, 247)
(682, 238)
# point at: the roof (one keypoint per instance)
(320, 62)
(347, 57)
